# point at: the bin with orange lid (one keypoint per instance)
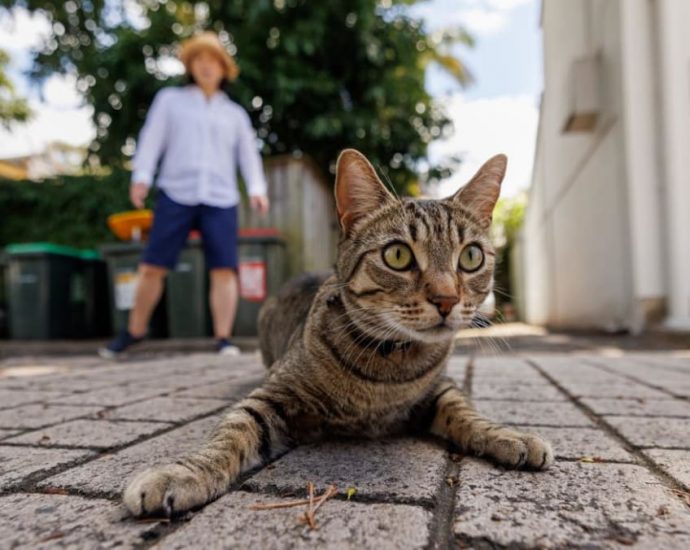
(133, 225)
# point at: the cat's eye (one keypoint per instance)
(398, 256)
(471, 258)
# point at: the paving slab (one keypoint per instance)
(639, 407)
(582, 443)
(570, 505)
(675, 463)
(506, 368)
(50, 521)
(408, 470)
(652, 432)
(533, 413)
(490, 388)
(15, 398)
(620, 389)
(229, 390)
(107, 474)
(6, 433)
(113, 396)
(40, 415)
(229, 523)
(93, 434)
(166, 409)
(19, 463)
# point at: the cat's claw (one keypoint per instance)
(163, 491)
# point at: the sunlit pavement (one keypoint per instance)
(72, 431)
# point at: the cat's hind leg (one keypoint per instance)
(455, 419)
(250, 434)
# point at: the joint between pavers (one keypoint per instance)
(633, 378)
(666, 479)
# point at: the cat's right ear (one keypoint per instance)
(358, 190)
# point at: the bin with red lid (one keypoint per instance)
(262, 271)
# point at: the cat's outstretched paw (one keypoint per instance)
(518, 450)
(164, 490)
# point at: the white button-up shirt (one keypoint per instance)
(200, 143)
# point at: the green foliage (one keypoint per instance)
(509, 215)
(316, 77)
(69, 210)
(12, 108)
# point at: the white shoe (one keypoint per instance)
(224, 347)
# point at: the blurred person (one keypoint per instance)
(200, 137)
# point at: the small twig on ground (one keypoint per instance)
(313, 503)
(276, 505)
(331, 491)
(309, 514)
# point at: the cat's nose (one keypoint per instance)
(444, 304)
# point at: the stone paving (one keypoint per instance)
(73, 430)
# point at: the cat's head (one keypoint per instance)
(414, 269)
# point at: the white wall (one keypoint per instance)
(577, 261)
(672, 17)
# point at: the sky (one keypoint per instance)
(496, 114)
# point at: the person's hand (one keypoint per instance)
(138, 193)
(260, 204)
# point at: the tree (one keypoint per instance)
(316, 77)
(508, 218)
(12, 108)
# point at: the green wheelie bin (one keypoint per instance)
(263, 270)
(187, 294)
(47, 296)
(122, 260)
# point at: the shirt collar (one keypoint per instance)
(198, 92)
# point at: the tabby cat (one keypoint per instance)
(362, 352)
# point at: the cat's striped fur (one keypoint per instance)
(362, 352)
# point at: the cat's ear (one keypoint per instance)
(481, 193)
(358, 190)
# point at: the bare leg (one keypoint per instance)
(457, 420)
(223, 301)
(149, 290)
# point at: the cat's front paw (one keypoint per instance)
(519, 450)
(164, 490)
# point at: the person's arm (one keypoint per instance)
(251, 167)
(150, 147)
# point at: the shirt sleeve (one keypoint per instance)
(249, 159)
(151, 141)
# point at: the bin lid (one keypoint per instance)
(89, 254)
(121, 248)
(43, 248)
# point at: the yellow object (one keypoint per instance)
(133, 225)
(208, 41)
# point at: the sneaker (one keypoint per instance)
(226, 347)
(118, 346)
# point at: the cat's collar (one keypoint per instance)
(382, 347)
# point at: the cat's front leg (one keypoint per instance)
(456, 419)
(251, 433)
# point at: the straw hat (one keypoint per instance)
(208, 41)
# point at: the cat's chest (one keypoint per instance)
(363, 424)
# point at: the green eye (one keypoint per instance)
(471, 258)
(398, 256)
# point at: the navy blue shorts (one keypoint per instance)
(172, 223)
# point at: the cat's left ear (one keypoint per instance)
(358, 190)
(481, 193)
